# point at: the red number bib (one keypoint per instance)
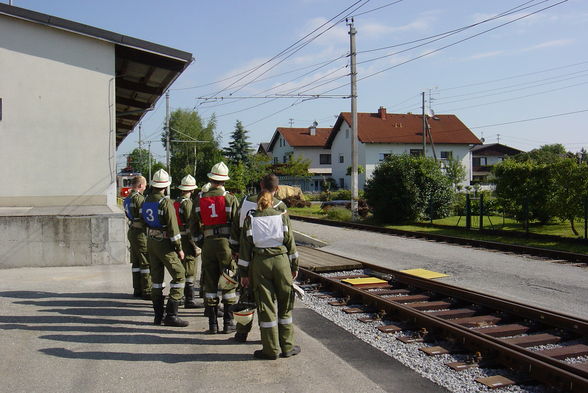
(177, 206)
(212, 210)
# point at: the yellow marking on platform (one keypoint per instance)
(424, 273)
(364, 281)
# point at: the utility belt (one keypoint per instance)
(217, 232)
(270, 251)
(137, 224)
(157, 233)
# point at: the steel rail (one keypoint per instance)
(536, 366)
(536, 251)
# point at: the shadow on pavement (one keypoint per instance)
(148, 357)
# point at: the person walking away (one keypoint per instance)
(268, 261)
(214, 211)
(248, 203)
(137, 235)
(165, 251)
(183, 208)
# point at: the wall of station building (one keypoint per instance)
(58, 117)
(58, 199)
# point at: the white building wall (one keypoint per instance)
(374, 152)
(57, 126)
(313, 154)
(281, 149)
(370, 155)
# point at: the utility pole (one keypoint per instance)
(424, 126)
(149, 159)
(291, 122)
(167, 132)
(354, 136)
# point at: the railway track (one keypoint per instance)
(535, 251)
(534, 343)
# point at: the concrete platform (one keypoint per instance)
(67, 329)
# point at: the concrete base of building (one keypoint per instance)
(62, 236)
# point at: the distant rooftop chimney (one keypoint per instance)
(382, 113)
(312, 128)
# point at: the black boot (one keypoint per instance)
(189, 295)
(228, 322)
(240, 337)
(158, 308)
(171, 315)
(211, 311)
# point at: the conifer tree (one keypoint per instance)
(239, 150)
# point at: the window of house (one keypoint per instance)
(325, 158)
(416, 152)
(341, 182)
(276, 160)
(383, 156)
(347, 133)
(341, 158)
(446, 155)
(284, 159)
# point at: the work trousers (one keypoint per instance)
(272, 287)
(216, 256)
(162, 255)
(140, 261)
(190, 261)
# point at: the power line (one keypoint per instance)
(375, 9)
(288, 48)
(447, 46)
(517, 98)
(531, 119)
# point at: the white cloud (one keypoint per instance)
(486, 55)
(549, 44)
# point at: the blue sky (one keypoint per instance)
(532, 67)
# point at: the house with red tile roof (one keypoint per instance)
(381, 134)
(308, 143)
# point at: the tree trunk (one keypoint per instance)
(573, 228)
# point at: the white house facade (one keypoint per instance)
(306, 143)
(382, 134)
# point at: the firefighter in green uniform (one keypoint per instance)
(165, 250)
(137, 235)
(268, 261)
(183, 207)
(248, 203)
(214, 211)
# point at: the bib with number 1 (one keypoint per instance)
(212, 210)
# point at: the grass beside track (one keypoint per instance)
(552, 244)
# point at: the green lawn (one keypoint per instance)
(559, 229)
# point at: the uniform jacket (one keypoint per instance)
(134, 208)
(244, 208)
(197, 227)
(185, 212)
(248, 248)
(167, 217)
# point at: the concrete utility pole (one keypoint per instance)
(167, 132)
(354, 136)
(424, 127)
(149, 158)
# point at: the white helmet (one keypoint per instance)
(219, 172)
(160, 179)
(245, 316)
(227, 280)
(188, 183)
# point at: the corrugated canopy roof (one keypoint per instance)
(144, 70)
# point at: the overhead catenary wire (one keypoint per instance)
(448, 45)
(289, 48)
